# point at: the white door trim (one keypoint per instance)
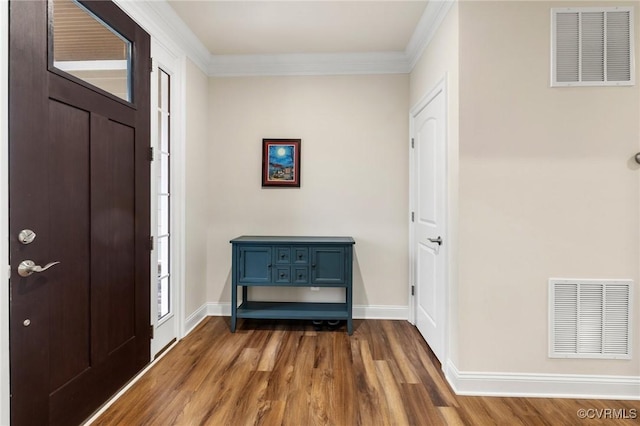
(172, 64)
(5, 402)
(165, 35)
(440, 87)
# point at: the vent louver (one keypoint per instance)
(590, 319)
(592, 47)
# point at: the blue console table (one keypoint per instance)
(292, 262)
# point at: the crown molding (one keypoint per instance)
(427, 27)
(308, 64)
(160, 20)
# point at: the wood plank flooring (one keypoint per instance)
(285, 373)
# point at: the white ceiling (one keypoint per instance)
(240, 27)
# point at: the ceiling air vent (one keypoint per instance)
(592, 47)
(590, 319)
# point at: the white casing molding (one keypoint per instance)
(531, 385)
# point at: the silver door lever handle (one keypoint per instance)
(436, 240)
(28, 267)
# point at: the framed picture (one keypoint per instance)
(281, 162)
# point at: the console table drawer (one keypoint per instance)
(300, 275)
(300, 255)
(283, 255)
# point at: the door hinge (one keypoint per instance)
(151, 153)
(152, 329)
(413, 216)
(152, 243)
(150, 65)
(412, 143)
(413, 290)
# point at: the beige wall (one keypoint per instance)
(198, 188)
(547, 189)
(354, 175)
(439, 61)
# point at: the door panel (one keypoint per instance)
(79, 177)
(69, 141)
(429, 182)
(112, 218)
(427, 294)
(427, 172)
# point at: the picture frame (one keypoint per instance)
(281, 163)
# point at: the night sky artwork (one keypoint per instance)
(281, 162)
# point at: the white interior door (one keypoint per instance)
(429, 237)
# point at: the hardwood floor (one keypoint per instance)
(286, 373)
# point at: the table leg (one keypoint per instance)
(350, 310)
(234, 307)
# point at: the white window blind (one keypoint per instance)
(592, 47)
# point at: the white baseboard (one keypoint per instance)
(214, 309)
(390, 312)
(195, 318)
(542, 385)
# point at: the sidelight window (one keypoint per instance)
(164, 195)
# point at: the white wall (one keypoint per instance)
(198, 188)
(353, 175)
(547, 189)
(441, 60)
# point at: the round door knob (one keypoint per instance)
(638, 158)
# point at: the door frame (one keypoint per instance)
(5, 402)
(440, 88)
(165, 35)
(165, 58)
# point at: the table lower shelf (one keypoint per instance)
(293, 310)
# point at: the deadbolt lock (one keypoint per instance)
(26, 236)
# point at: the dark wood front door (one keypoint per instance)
(79, 179)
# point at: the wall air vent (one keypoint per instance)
(592, 47)
(590, 318)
